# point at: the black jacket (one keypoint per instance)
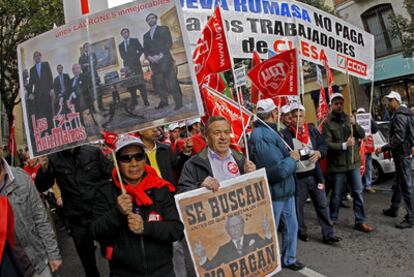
(170, 166)
(132, 55)
(147, 255)
(58, 88)
(78, 175)
(399, 142)
(318, 143)
(160, 43)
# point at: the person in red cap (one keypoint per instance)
(136, 228)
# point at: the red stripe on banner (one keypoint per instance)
(85, 6)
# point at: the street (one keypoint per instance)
(385, 252)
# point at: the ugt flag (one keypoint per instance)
(211, 54)
(277, 76)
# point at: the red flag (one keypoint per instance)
(362, 154)
(323, 109)
(217, 105)
(211, 54)
(254, 95)
(110, 139)
(6, 225)
(85, 6)
(12, 148)
(215, 82)
(277, 76)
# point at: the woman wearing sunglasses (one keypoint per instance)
(136, 229)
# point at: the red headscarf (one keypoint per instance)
(151, 180)
(303, 134)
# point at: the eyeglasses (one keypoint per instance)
(128, 158)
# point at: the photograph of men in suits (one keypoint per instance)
(157, 45)
(61, 86)
(131, 51)
(88, 62)
(40, 89)
(239, 245)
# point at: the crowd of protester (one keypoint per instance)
(132, 216)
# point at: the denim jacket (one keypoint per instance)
(32, 228)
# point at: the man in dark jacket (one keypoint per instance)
(267, 150)
(89, 62)
(136, 228)
(311, 145)
(131, 51)
(157, 45)
(61, 85)
(343, 160)
(161, 157)
(400, 146)
(213, 164)
(79, 173)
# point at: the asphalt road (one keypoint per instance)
(385, 252)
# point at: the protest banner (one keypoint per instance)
(364, 120)
(266, 25)
(83, 77)
(231, 232)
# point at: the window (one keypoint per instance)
(376, 21)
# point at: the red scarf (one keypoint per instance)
(303, 134)
(6, 225)
(151, 180)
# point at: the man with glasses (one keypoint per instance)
(341, 134)
(78, 172)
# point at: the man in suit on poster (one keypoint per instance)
(131, 51)
(40, 89)
(88, 62)
(79, 94)
(61, 86)
(157, 45)
(239, 245)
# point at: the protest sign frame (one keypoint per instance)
(238, 183)
(61, 46)
(364, 120)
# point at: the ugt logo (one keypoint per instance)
(274, 75)
(201, 52)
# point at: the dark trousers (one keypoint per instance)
(305, 186)
(403, 187)
(143, 92)
(166, 83)
(85, 247)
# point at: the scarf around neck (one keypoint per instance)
(303, 133)
(149, 181)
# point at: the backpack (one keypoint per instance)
(410, 134)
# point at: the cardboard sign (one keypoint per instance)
(231, 232)
(116, 74)
(364, 120)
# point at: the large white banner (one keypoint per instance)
(264, 25)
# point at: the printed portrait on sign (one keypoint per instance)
(122, 69)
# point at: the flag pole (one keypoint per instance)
(118, 172)
(235, 86)
(278, 113)
(350, 108)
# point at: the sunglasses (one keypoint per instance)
(128, 158)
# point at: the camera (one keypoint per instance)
(305, 153)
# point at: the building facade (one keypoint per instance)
(392, 70)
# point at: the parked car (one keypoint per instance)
(383, 163)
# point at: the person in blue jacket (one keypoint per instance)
(268, 151)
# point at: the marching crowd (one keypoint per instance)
(132, 215)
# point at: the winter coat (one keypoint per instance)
(33, 231)
(267, 150)
(336, 130)
(79, 174)
(399, 142)
(129, 254)
(198, 168)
